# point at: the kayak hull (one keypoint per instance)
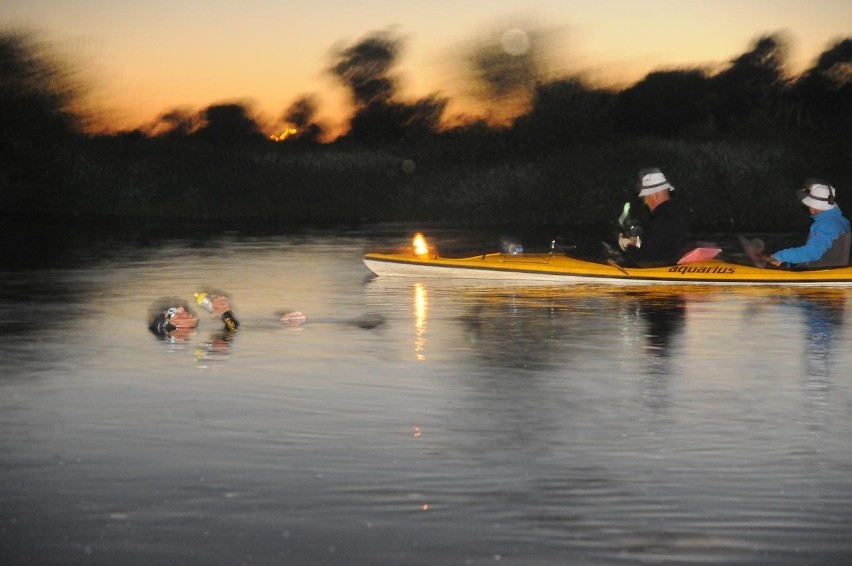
(558, 268)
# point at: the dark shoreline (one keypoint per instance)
(36, 243)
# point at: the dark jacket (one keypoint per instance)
(665, 237)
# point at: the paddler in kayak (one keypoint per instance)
(829, 237)
(665, 237)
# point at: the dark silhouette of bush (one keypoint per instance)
(737, 144)
(380, 117)
(387, 123)
(228, 124)
(821, 98)
(366, 68)
(565, 111)
(38, 128)
(301, 114)
(502, 68)
(495, 73)
(176, 123)
(747, 94)
(665, 103)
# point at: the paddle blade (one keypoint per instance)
(754, 250)
(699, 254)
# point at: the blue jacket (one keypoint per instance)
(827, 227)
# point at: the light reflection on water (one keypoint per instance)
(478, 423)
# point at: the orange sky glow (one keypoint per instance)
(141, 59)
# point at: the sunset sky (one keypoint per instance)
(143, 57)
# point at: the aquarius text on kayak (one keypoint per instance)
(682, 269)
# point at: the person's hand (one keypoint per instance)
(221, 304)
(624, 242)
(773, 261)
(292, 317)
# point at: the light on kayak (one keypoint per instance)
(419, 243)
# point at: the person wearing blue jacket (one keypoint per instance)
(829, 237)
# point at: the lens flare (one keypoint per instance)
(419, 243)
(421, 308)
(515, 42)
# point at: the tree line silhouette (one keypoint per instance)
(738, 140)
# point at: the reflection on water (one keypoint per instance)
(823, 315)
(530, 327)
(823, 319)
(217, 348)
(421, 305)
(415, 422)
(665, 318)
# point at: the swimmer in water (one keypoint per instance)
(173, 318)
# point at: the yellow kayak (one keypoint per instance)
(560, 268)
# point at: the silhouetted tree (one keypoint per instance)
(505, 67)
(500, 73)
(823, 94)
(566, 111)
(835, 64)
(366, 69)
(664, 103)
(384, 121)
(302, 116)
(37, 126)
(229, 124)
(746, 94)
(178, 123)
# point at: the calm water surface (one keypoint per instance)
(479, 424)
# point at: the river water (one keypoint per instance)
(413, 421)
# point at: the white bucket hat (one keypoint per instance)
(818, 195)
(652, 181)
